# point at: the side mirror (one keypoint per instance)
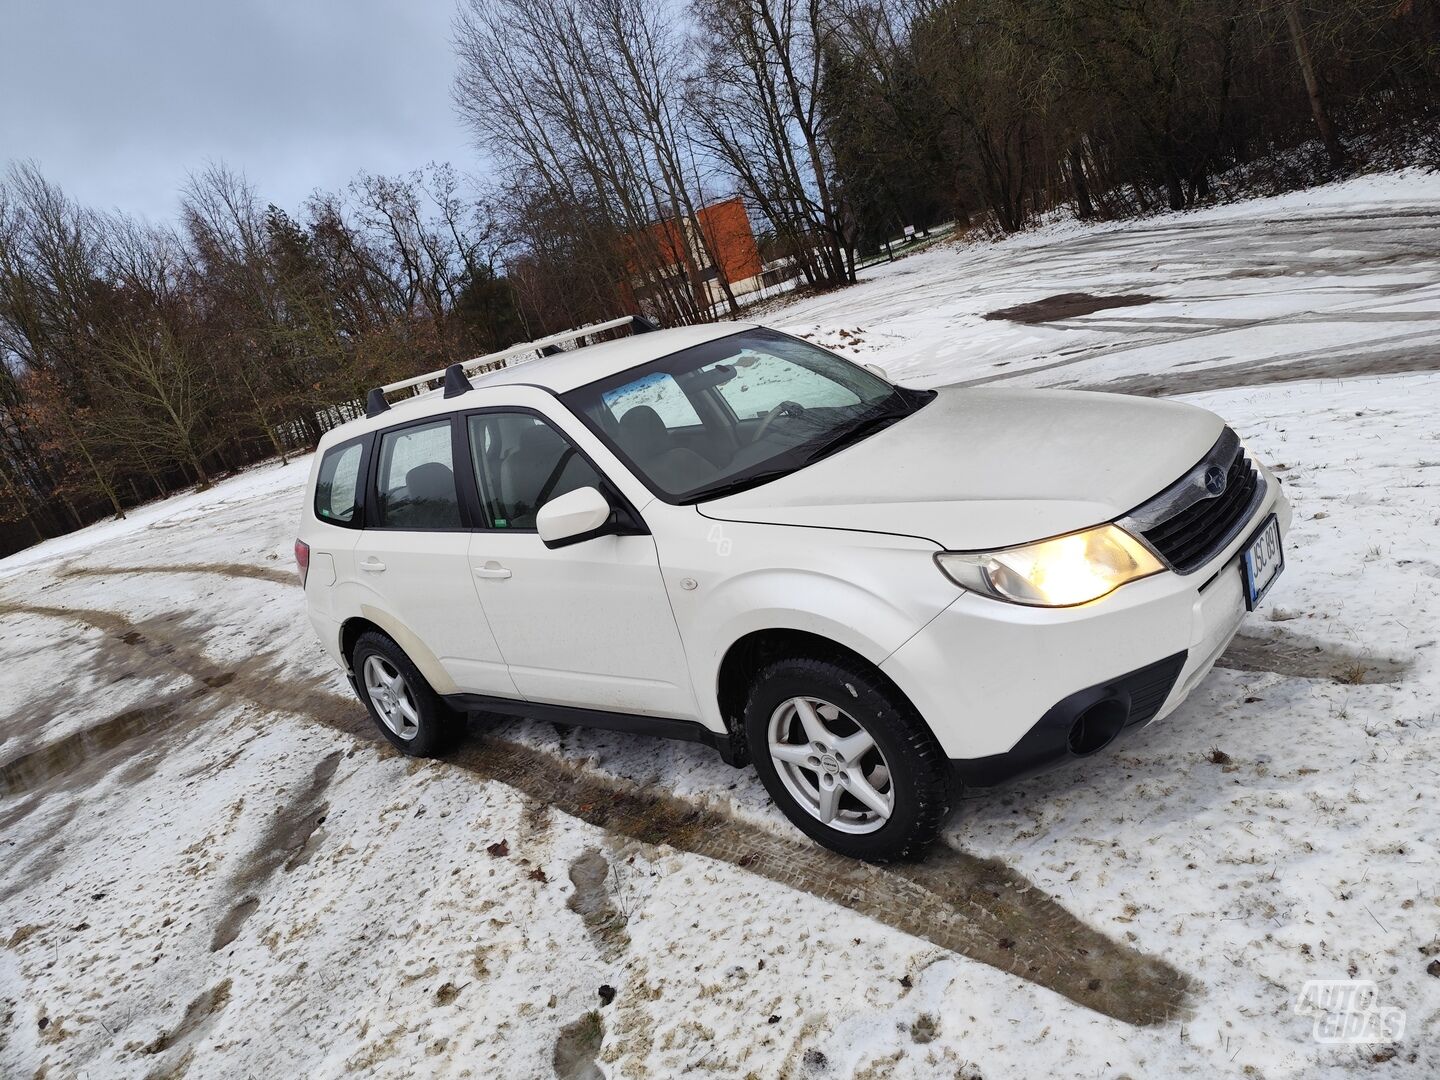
(575, 516)
(877, 371)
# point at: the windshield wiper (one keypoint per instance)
(730, 485)
(863, 427)
(891, 410)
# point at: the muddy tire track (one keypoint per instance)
(260, 684)
(89, 747)
(237, 570)
(287, 842)
(199, 1015)
(978, 908)
(1400, 361)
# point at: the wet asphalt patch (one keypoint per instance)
(975, 907)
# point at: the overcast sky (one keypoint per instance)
(118, 100)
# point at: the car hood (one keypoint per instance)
(990, 468)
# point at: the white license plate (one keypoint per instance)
(1262, 562)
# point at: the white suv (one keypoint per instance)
(876, 595)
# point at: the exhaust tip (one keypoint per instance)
(1096, 727)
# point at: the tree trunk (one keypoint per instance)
(1174, 186)
(199, 470)
(1312, 86)
(264, 422)
(1084, 209)
(104, 484)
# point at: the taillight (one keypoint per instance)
(302, 559)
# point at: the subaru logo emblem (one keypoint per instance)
(1215, 480)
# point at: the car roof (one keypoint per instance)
(557, 374)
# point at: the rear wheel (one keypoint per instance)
(408, 712)
(846, 759)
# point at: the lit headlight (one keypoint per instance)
(1061, 572)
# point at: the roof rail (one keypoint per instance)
(546, 346)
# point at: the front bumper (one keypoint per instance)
(1079, 725)
(1002, 685)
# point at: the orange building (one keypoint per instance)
(722, 228)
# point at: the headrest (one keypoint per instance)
(539, 442)
(430, 481)
(642, 431)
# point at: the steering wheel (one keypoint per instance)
(785, 408)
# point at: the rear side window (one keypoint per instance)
(337, 492)
(415, 482)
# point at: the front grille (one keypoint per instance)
(1193, 536)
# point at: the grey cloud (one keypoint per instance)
(118, 100)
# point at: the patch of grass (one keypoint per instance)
(1352, 674)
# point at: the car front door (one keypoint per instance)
(588, 624)
(412, 559)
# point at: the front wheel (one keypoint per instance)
(408, 712)
(846, 759)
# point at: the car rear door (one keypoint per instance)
(411, 562)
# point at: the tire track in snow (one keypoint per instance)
(977, 908)
(239, 570)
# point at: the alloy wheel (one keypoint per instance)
(831, 765)
(391, 697)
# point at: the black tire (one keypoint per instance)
(438, 727)
(921, 787)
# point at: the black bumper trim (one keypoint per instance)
(1142, 692)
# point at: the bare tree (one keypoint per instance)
(161, 388)
(578, 101)
(757, 100)
(49, 278)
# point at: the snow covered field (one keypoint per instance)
(208, 863)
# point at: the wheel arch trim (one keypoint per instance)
(428, 663)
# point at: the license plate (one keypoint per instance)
(1262, 562)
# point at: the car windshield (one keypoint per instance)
(736, 412)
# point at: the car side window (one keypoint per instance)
(415, 481)
(521, 463)
(337, 489)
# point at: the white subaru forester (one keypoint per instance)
(876, 595)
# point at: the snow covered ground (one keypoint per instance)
(209, 864)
